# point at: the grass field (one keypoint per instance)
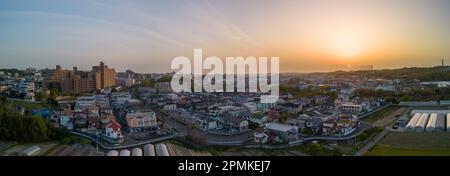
(413, 144)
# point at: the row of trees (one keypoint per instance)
(308, 92)
(421, 73)
(17, 127)
(419, 94)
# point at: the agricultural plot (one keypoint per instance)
(75, 150)
(177, 150)
(18, 149)
(413, 144)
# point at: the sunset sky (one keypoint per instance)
(145, 35)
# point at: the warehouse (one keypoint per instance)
(161, 150)
(440, 122)
(448, 122)
(136, 152)
(431, 125)
(112, 153)
(412, 123)
(149, 150)
(125, 153)
(420, 125)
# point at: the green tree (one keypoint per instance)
(148, 83)
(17, 127)
(54, 93)
(316, 149)
(41, 95)
(165, 79)
(2, 99)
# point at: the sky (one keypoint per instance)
(145, 35)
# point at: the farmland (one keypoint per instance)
(413, 144)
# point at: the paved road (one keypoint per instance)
(352, 135)
(122, 146)
(372, 142)
(173, 120)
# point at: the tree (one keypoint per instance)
(306, 131)
(283, 116)
(2, 99)
(148, 83)
(316, 149)
(54, 93)
(165, 79)
(51, 100)
(17, 127)
(41, 95)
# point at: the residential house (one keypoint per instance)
(66, 119)
(260, 136)
(113, 132)
(259, 119)
(170, 107)
(315, 125)
(236, 124)
(328, 127)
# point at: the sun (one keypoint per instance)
(347, 45)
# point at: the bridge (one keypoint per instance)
(107, 147)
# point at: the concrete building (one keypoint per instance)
(141, 120)
(286, 132)
(170, 107)
(104, 76)
(78, 81)
(350, 108)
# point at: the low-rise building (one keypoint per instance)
(235, 123)
(350, 108)
(260, 136)
(286, 132)
(170, 107)
(113, 132)
(259, 119)
(66, 119)
(142, 120)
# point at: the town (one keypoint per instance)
(122, 113)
